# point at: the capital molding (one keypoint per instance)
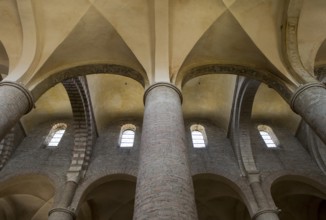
(64, 210)
(303, 88)
(263, 211)
(165, 84)
(24, 90)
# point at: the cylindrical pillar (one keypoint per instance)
(309, 101)
(15, 101)
(164, 185)
(265, 212)
(62, 212)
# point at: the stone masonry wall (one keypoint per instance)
(30, 157)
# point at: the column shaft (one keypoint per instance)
(265, 211)
(309, 101)
(62, 212)
(15, 101)
(164, 185)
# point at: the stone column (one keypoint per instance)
(164, 185)
(15, 101)
(309, 101)
(63, 212)
(265, 211)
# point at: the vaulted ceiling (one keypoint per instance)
(161, 40)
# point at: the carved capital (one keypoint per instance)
(169, 85)
(25, 91)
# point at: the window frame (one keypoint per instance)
(201, 129)
(126, 128)
(48, 144)
(271, 136)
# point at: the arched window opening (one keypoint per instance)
(127, 135)
(268, 136)
(198, 135)
(55, 135)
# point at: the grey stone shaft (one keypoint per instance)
(60, 216)
(311, 105)
(164, 186)
(262, 203)
(13, 105)
(267, 216)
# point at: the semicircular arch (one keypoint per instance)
(58, 76)
(209, 187)
(109, 196)
(281, 84)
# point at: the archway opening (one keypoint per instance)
(26, 197)
(299, 200)
(216, 199)
(110, 199)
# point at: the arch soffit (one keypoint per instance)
(13, 185)
(244, 197)
(87, 69)
(313, 180)
(303, 186)
(281, 84)
(241, 113)
(92, 184)
(320, 71)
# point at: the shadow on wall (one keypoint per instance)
(299, 198)
(216, 199)
(110, 197)
(26, 197)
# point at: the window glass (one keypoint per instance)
(127, 138)
(127, 135)
(55, 135)
(268, 136)
(198, 135)
(56, 138)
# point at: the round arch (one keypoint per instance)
(299, 198)
(280, 83)
(109, 197)
(81, 70)
(220, 198)
(26, 197)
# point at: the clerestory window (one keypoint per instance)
(127, 135)
(198, 135)
(268, 136)
(55, 135)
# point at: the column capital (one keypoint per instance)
(24, 90)
(263, 211)
(169, 85)
(301, 89)
(64, 210)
